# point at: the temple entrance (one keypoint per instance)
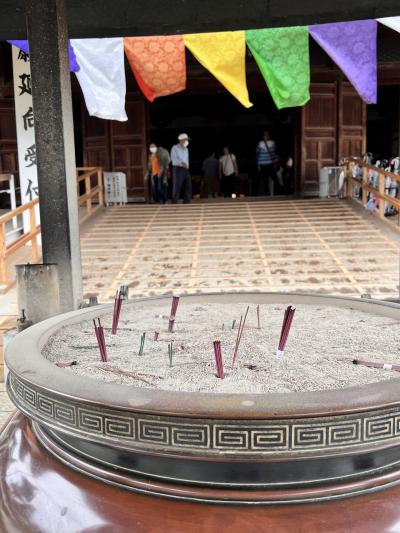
(213, 121)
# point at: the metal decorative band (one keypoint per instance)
(185, 435)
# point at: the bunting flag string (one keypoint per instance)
(24, 46)
(224, 55)
(352, 46)
(282, 55)
(391, 22)
(102, 76)
(158, 63)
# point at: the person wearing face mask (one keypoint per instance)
(181, 179)
(158, 172)
(267, 161)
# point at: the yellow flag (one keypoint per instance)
(224, 55)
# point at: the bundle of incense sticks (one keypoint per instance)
(239, 336)
(142, 339)
(287, 322)
(218, 360)
(258, 317)
(117, 311)
(384, 366)
(170, 352)
(174, 308)
(156, 335)
(98, 329)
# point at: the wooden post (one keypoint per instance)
(364, 182)
(88, 190)
(381, 188)
(100, 185)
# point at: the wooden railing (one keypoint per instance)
(364, 186)
(90, 190)
(90, 199)
(8, 249)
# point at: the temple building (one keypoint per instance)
(335, 124)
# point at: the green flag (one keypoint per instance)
(283, 57)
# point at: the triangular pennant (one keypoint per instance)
(102, 76)
(158, 63)
(224, 55)
(282, 55)
(352, 46)
(24, 46)
(391, 22)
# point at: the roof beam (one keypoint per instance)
(109, 18)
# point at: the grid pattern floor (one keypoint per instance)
(320, 246)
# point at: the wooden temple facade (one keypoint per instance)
(333, 125)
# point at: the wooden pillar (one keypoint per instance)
(52, 105)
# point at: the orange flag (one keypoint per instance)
(158, 63)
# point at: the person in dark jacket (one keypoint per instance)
(210, 169)
(158, 164)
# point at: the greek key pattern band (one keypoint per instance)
(211, 436)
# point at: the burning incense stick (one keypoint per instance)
(116, 313)
(156, 335)
(286, 325)
(218, 359)
(101, 340)
(239, 336)
(233, 324)
(170, 352)
(237, 339)
(174, 308)
(258, 317)
(142, 339)
(383, 366)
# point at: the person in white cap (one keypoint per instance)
(181, 178)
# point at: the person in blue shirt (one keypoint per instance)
(181, 179)
(267, 160)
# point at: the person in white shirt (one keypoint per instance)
(181, 178)
(228, 171)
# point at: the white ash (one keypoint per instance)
(322, 344)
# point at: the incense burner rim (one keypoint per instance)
(25, 361)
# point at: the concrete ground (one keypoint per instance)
(325, 246)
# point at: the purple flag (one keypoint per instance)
(352, 46)
(73, 63)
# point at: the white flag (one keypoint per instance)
(391, 22)
(102, 76)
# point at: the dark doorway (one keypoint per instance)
(213, 121)
(383, 123)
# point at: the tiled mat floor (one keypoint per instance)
(296, 245)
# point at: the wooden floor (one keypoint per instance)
(320, 246)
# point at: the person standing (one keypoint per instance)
(228, 171)
(181, 179)
(267, 160)
(210, 169)
(158, 164)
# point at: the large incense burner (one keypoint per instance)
(252, 451)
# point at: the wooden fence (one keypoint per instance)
(361, 189)
(90, 190)
(90, 199)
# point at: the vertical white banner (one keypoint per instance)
(25, 131)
